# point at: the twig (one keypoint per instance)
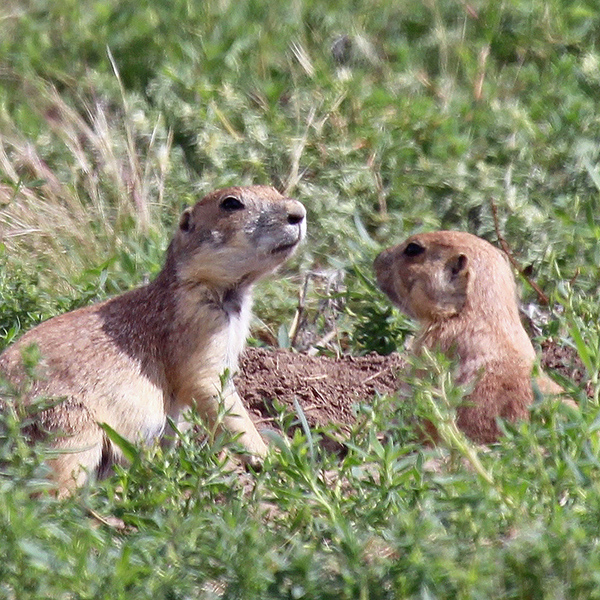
(313, 350)
(513, 261)
(574, 278)
(375, 376)
(110, 521)
(264, 420)
(295, 326)
(478, 86)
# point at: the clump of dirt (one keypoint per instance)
(328, 388)
(563, 360)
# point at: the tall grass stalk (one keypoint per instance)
(112, 184)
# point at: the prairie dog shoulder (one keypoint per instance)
(462, 292)
(150, 353)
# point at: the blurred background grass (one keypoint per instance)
(383, 118)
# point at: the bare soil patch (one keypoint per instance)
(328, 388)
(562, 359)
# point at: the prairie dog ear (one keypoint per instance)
(458, 266)
(459, 273)
(185, 221)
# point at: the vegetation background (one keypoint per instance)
(384, 118)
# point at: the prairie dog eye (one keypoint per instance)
(231, 203)
(413, 249)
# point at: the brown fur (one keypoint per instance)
(461, 290)
(155, 351)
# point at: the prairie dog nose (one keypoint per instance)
(296, 213)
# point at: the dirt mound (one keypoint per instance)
(327, 388)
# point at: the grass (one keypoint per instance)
(384, 119)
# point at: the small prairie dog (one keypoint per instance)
(461, 290)
(149, 354)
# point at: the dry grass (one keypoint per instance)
(115, 182)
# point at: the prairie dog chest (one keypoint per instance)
(212, 337)
(238, 308)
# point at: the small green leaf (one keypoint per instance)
(129, 450)
(283, 337)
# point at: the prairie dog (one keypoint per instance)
(462, 292)
(152, 352)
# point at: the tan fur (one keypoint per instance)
(155, 351)
(462, 292)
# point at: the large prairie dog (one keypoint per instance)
(461, 290)
(150, 353)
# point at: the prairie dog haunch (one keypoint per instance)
(462, 292)
(150, 353)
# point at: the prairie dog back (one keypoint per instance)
(157, 350)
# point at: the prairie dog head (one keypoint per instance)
(436, 276)
(236, 235)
